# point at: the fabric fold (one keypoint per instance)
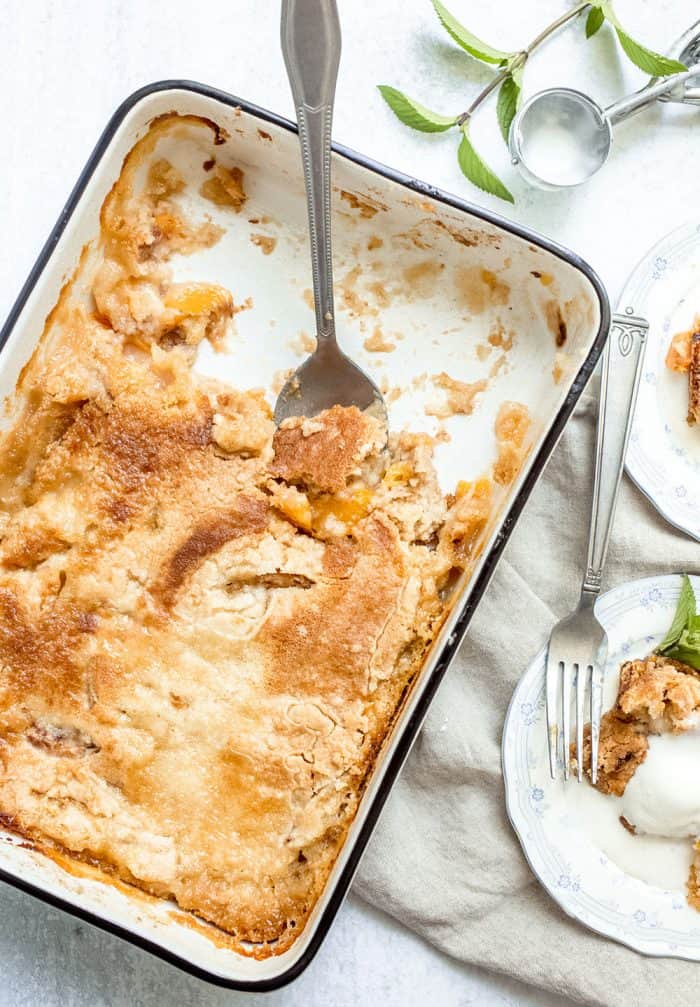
(444, 859)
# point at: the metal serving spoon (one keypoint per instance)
(311, 50)
(582, 130)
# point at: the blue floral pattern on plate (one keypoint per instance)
(663, 457)
(578, 875)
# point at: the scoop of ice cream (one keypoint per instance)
(663, 796)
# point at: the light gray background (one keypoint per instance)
(64, 67)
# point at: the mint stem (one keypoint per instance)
(567, 16)
(483, 95)
(520, 58)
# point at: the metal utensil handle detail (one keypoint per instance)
(633, 103)
(311, 50)
(622, 366)
(686, 49)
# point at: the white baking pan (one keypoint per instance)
(409, 259)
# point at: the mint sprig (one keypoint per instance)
(508, 101)
(646, 59)
(594, 21)
(508, 82)
(682, 642)
(687, 650)
(413, 114)
(476, 169)
(476, 47)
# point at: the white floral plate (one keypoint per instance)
(663, 457)
(553, 820)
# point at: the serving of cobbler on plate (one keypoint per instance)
(649, 745)
(683, 357)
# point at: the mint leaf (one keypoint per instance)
(646, 59)
(477, 171)
(684, 617)
(462, 36)
(413, 114)
(594, 21)
(687, 649)
(507, 105)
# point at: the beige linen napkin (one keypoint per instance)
(444, 858)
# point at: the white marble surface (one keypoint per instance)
(64, 66)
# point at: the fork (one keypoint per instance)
(578, 644)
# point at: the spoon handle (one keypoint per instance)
(311, 50)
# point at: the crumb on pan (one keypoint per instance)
(460, 398)
(378, 342)
(511, 427)
(265, 242)
(366, 206)
(224, 187)
(556, 322)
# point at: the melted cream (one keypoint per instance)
(662, 801)
(663, 796)
(659, 861)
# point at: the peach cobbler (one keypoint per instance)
(683, 356)
(207, 626)
(649, 742)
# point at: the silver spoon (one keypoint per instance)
(311, 50)
(562, 137)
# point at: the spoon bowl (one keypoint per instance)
(328, 378)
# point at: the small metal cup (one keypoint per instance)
(577, 130)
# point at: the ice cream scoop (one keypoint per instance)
(663, 796)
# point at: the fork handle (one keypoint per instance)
(622, 366)
(311, 49)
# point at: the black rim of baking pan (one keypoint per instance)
(412, 726)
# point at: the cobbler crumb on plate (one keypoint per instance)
(657, 695)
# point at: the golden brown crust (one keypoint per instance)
(678, 354)
(659, 692)
(694, 381)
(248, 517)
(693, 885)
(204, 640)
(655, 694)
(323, 451)
(683, 356)
(623, 745)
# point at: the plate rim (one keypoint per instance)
(510, 804)
(623, 303)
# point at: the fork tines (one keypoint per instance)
(562, 678)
